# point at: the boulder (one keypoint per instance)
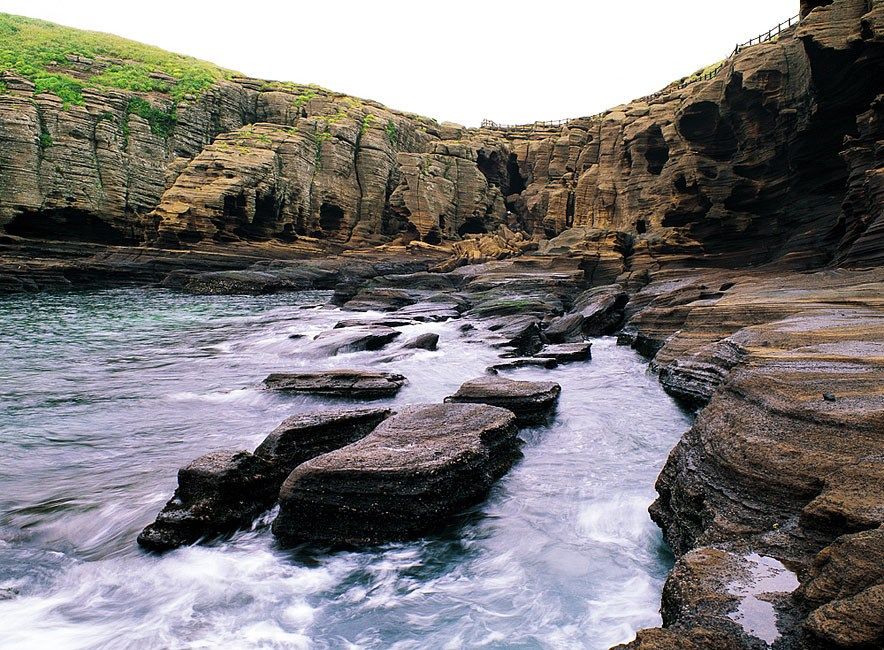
(426, 341)
(365, 384)
(565, 328)
(565, 352)
(406, 478)
(217, 493)
(353, 339)
(519, 332)
(307, 435)
(531, 401)
(601, 309)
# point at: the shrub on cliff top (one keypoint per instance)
(47, 54)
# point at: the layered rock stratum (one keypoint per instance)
(729, 226)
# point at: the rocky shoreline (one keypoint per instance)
(780, 474)
(729, 230)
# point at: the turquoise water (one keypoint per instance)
(103, 395)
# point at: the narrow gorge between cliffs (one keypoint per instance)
(107, 393)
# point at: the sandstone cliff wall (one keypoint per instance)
(777, 158)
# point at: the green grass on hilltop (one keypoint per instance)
(39, 50)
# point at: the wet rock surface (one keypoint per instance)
(217, 493)
(531, 401)
(307, 435)
(353, 339)
(408, 476)
(566, 352)
(357, 384)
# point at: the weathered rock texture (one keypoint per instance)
(364, 384)
(780, 148)
(217, 493)
(785, 458)
(405, 478)
(531, 401)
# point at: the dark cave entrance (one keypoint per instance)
(472, 226)
(264, 223)
(235, 205)
(516, 180)
(331, 218)
(657, 151)
(433, 237)
(67, 224)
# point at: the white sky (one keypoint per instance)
(456, 60)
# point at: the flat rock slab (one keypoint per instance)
(307, 435)
(356, 384)
(531, 401)
(217, 493)
(565, 352)
(523, 362)
(353, 339)
(404, 479)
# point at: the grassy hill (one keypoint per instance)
(52, 56)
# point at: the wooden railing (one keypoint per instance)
(706, 76)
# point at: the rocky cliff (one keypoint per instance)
(739, 213)
(775, 158)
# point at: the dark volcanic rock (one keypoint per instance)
(426, 341)
(307, 435)
(565, 352)
(531, 401)
(217, 493)
(353, 339)
(339, 383)
(405, 478)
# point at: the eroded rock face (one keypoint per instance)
(780, 147)
(783, 459)
(405, 478)
(531, 401)
(217, 493)
(356, 384)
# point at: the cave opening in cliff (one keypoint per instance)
(67, 224)
(701, 124)
(235, 205)
(472, 226)
(264, 222)
(331, 218)
(517, 181)
(657, 151)
(433, 237)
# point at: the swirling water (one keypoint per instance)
(104, 394)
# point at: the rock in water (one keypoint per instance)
(364, 384)
(307, 435)
(531, 401)
(522, 362)
(217, 493)
(565, 352)
(426, 341)
(353, 339)
(402, 480)
(565, 329)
